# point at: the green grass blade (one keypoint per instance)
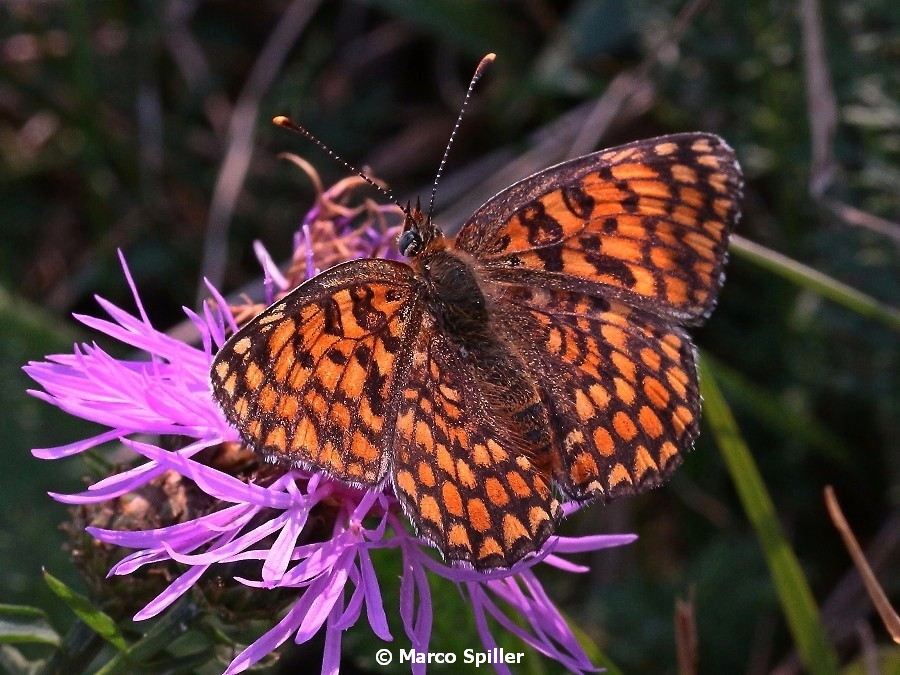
(13, 662)
(20, 624)
(816, 653)
(79, 647)
(100, 622)
(807, 277)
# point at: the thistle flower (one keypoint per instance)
(262, 516)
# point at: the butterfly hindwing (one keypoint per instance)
(465, 483)
(315, 378)
(620, 387)
(647, 222)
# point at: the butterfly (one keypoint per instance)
(541, 354)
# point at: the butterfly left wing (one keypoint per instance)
(315, 379)
(460, 474)
(646, 223)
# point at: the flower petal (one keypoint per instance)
(325, 590)
(280, 554)
(481, 624)
(213, 482)
(173, 591)
(374, 605)
(591, 543)
(216, 521)
(269, 641)
(76, 447)
(331, 655)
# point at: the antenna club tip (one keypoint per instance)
(281, 121)
(489, 58)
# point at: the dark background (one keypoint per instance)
(115, 119)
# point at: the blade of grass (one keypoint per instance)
(796, 598)
(816, 281)
(99, 621)
(79, 647)
(20, 624)
(12, 661)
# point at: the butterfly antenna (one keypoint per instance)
(479, 71)
(288, 123)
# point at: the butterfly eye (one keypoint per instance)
(409, 243)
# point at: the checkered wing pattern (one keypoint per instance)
(316, 379)
(619, 386)
(647, 223)
(470, 486)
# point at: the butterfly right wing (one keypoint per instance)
(619, 385)
(316, 378)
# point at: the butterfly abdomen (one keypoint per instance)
(456, 300)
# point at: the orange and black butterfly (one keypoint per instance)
(541, 352)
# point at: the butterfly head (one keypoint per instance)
(419, 234)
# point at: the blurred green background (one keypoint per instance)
(144, 126)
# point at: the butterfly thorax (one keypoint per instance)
(453, 296)
(450, 289)
(455, 300)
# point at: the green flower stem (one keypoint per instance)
(797, 602)
(807, 277)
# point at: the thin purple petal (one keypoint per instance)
(269, 642)
(76, 447)
(481, 624)
(565, 565)
(591, 543)
(352, 612)
(326, 590)
(217, 554)
(134, 292)
(174, 591)
(230, 516)
(331, 656)
(220, 303)
(374, 605)
(280, 554)
(213, 482)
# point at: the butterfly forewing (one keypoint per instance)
(647, 222)
(315, 379)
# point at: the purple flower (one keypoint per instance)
(262, 519)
